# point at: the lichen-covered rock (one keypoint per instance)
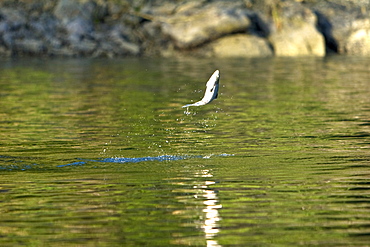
(201, 25)
(241, 45)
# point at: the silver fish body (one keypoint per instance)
(211, 92)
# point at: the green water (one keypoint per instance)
(100, 153)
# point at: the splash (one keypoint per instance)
(144, 159)
(16, 164)
(187, 112)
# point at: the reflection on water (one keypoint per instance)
(206, 206)
(211, 203)
(100, 152)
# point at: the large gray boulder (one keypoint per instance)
(88, 38)
(192, 27)
(77, 17)
(11, 23)
(90, 10)
(12, 18)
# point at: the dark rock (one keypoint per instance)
(78, 29)
(4, 27)
(68, 10)
(29, 46)
(62, 52)
(106, 49)
(84, 47)
(8, 40)
(53, 42)
(44, 25)
(13, 17)
(124, 45)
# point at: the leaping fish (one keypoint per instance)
(211, 92)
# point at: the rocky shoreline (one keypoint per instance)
(211, 28)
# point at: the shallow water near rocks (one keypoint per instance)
(101, 152)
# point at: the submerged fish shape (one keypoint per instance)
(211, 92)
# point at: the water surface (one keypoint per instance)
(97, 152)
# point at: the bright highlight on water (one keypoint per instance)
(211, 92)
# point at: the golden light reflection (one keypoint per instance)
(202, 207)
(210, 218)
